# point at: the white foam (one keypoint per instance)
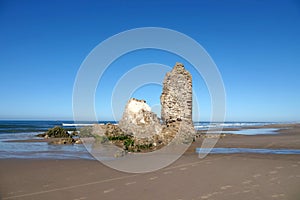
(77, 124)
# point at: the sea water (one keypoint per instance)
(207, 125)
(255, 131)
(247, 150)
(10, 131)
(24, 130)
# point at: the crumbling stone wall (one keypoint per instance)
(176, 104)
(176, 98)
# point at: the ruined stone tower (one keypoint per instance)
(176, 98)
(176, 103)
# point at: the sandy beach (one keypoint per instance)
(217, 176)
(150, 100)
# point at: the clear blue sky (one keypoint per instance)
(255, 44)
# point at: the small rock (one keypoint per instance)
(78, 141)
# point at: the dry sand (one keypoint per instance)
(230, 176)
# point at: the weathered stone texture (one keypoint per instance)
(176, 104)
(138, 120)
(109, 130)
(176, 98)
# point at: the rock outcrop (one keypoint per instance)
(139, 121)
(59, 135)
(108, 129)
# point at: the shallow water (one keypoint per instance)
(24, 130)
(247, 150)
(38, 149)
(207, 125)
(258, 131)
(46, 155)
(42, 150)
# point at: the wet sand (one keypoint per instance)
(218, 177)
(287, 137)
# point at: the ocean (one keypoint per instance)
(24, 130)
